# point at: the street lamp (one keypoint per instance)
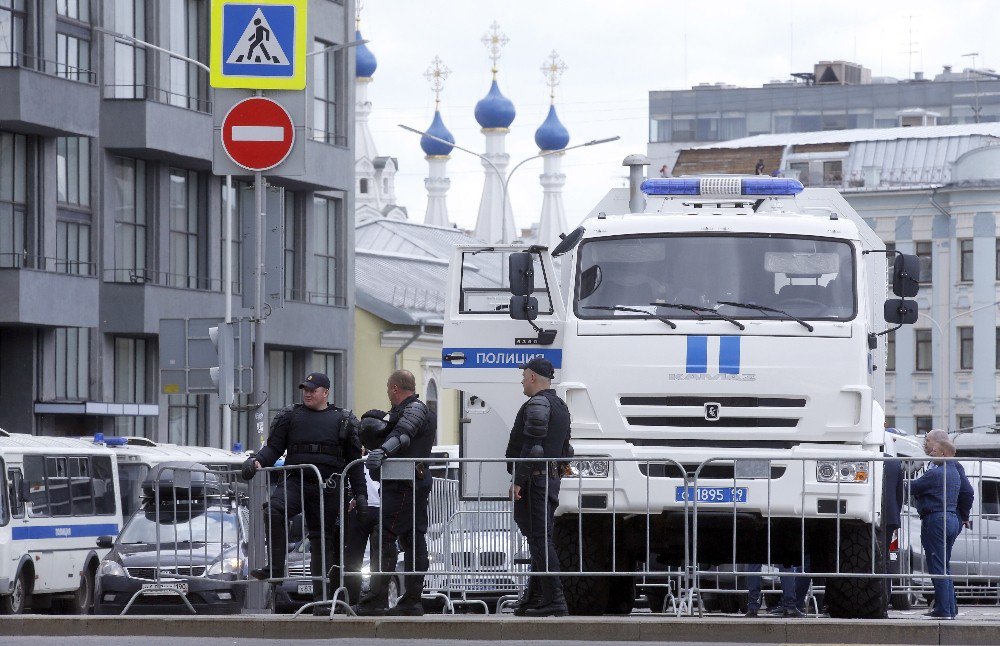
(506, 180)
(945, 379)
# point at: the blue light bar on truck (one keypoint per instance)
(722, 186)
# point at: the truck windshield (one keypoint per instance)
(807, 278)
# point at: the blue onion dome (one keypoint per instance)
(434, 148)
(495, 110)
(552, 134)
(364, 60)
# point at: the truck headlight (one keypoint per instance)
(111, 568)
(842, 471)
(225, 566)
(589, 467)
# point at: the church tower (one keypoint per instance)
(437, 151)
(550, 137)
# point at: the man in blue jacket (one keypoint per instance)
(936, 496)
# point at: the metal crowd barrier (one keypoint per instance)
(478, 554)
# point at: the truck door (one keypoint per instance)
(483, 346)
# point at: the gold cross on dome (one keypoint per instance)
(358, 6)
(436, 75)
(495, 40)
(553, 69)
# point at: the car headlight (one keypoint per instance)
(589, 467)
(842, 471)
(111, 568)
(225, 566)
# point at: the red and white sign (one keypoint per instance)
(257, 133)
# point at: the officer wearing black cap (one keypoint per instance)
(541, 430)
(318, 433)
(410, 430)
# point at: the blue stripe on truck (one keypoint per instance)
(62, 531)
(729, 355)
(697, 354)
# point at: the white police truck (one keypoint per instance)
(729, 322)
(59, 496)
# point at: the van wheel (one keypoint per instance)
(15, 602)
(82, 602)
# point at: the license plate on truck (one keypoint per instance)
(305, 588)
(711, 494)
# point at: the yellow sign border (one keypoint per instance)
(298, 79)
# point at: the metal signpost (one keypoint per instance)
(258, 45)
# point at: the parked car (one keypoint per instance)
(187, 541)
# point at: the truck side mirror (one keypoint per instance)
(521, 271)
(523, 308)
(105, 542)
(905, 276)
(900, 312)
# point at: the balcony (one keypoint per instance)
(42, 97)
(47, 291)
(312, 320)
(134, 301)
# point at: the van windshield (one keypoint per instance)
(809, 278)
(211, 526)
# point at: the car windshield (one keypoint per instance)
(737, 276)
(211, 526)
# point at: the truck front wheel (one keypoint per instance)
(856, 597)
(585, 595)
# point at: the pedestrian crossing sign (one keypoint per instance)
(259, 44)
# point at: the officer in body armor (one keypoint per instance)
(313, 432)
(541, 430)
(410, 430)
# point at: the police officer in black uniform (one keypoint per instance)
(541, 430)
(410, 430)
(313, 432)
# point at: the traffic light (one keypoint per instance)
(222, 374)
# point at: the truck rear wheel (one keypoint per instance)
(857, 598)
(585, 595)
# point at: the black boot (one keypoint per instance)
(532, 596)
(374, 603)
(407, 607)
(552, 602)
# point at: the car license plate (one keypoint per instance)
(305, 588)
(165, 588)
(712, 494)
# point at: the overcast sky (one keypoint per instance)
(616, 52)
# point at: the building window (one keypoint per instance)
(329, 364)
(283, 383)
(13, 198)
(431, 396)
(964, 422)
(833, 172)
(185, 212)
(75, 9)
(11, 32)
(72, 363)
(925, 256)
(131, 383)
(325, 240)
(923, 424)
(997, 361)
(363, 185)
(188, 32)
(73, 248)
(73, 170)
(998, 259)
(923, 347)
(327, 75)
(291, 273)
(187, 420)
(965, 260)
(965, 348)
(72, 57)
(890, 352)
(130, 220)
(130, 60)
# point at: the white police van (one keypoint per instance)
(137, 456)
(733, 319)
(60, 495)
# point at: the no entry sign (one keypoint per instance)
(257, 133)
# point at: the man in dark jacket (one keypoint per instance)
(892, 509)
(311, 433)
(936, 496)
(541, 430)
(410, 431)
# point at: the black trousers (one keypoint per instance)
(293, 495)
(534, 514)
(360, 533)
(404, 523)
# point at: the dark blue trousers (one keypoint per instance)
(938, 531)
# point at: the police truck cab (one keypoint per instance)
(729, 323)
